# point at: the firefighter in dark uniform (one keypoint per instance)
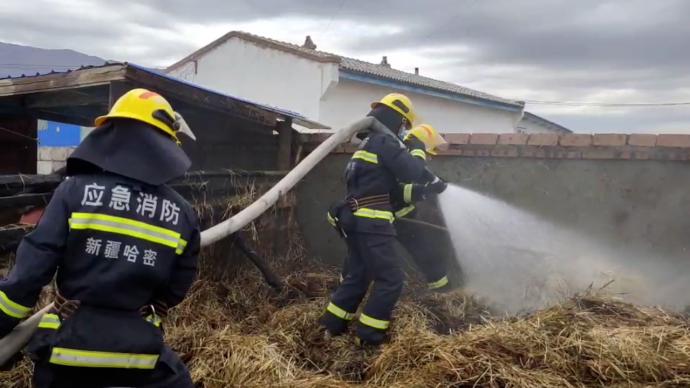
(124, 247)
(366, 220)
(427, 248)
(428, 256)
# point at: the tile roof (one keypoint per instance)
(418, 80)
(350, 64)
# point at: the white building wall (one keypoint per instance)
(525, 126)
(350, 100)
(273, 77)
(530, 126)
(268, 76)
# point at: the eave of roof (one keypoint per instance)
(538, 119)
(427, 90)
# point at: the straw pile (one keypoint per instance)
(237, 333)
(233, 330)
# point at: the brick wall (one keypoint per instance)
(555, 146)
(51, 159)
(621, 190)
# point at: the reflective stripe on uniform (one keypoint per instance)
(94, 359)
(49, 321)
(418, 153)
(12, 308)
(438, 284)
(181, 245)
(376, 214)
(338, 312)
(407, 193)
(153, 319)
(373, 322)
(366, 156)
(331, 220)
(404, 211)
(128, 227)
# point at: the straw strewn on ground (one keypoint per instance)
(237, 332)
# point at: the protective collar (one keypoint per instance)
(132, 149)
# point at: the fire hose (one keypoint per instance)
(15, 340)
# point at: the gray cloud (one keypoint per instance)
(609, 51)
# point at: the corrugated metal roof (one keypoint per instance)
(350, 64)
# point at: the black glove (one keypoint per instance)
(437, 186)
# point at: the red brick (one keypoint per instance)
(640, 155)
(609, 139)
(540, 153)
(483, 153)
(513, 138)
(483, 138)
(642, 140)
(543, 139)
(626, 154)
(679, 155)
(457, 138)
(673, 141)
(573, 140)
(505, 152)
(451, 151)
(32, 217)
(599, 153)
(573, 155)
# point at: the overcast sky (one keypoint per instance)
(613, 52)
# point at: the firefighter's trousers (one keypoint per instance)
(429, 251)
(372, 259)
(429, 254)
(170, 372)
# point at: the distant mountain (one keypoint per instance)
(16, 60)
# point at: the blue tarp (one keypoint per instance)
(59, 135)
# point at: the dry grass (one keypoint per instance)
(233, 330)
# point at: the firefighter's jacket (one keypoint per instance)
(376, 169)
(116, 245)
(406, 193)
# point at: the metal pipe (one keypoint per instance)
(15, 341)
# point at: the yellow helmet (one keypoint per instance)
(145, 106)
(399, 103)
(429, 136)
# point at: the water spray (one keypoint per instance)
(519, 261)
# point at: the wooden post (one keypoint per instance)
(284, 129)
(116, 90)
